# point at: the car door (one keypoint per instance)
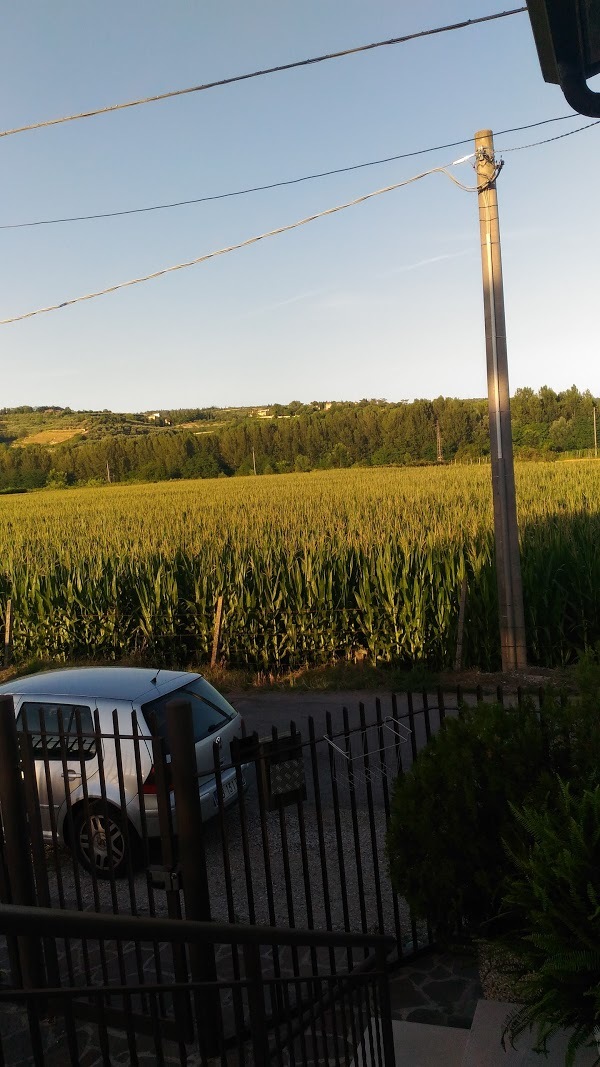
(63, 758)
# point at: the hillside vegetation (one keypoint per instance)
(211, 442)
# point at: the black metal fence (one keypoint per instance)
(287, 832)
(252, 1017)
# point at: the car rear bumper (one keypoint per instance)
(209, 803)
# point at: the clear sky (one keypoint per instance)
(382, 300)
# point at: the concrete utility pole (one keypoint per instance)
(595, 436)
(508, 563)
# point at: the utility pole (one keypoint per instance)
(595, 436)
(107, 472)
(438, 434)
(254, 461)
(506, 533)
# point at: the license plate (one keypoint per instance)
(229, 790)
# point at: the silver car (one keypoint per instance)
(71, 697)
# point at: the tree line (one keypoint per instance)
(306, 437)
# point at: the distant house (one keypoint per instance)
(262, 413)
(153, 416)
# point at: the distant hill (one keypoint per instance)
(53, 446)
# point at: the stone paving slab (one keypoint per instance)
(437, 988)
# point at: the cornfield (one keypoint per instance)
(311, 567)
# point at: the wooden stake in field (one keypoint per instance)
(508, 563)
(8, 623)
(461, 625)
(217, 632)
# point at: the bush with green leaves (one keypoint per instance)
(552, 903)
(451, 812)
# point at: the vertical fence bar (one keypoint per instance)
(68, 825)
(88, 820)
(279, 995)
(16, 834)
(426, 716)
(371, 812)
(304, 853)
(129, 838)
(383, 766)
(55, 842)
(338, 836)
(146, 847)
(12, 946)
(167, 841)
(441, 704)
(314, 763)
(411, 724)
(355, 826)
(256, 1003)
(236, 760)
(38, 854)
(285, 856)
(386, 1006)
(236, 993)
(192, 860)
(35, 1033)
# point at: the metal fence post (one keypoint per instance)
(17, 853)
(387, 1033)
(192, 862)
(256, 1003)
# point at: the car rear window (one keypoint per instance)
(210, 710)
(43, 722)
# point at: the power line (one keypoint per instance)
(547, 140)
(281, 184)
(247, 242)
(261, 73)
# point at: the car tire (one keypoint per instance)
(91, 837)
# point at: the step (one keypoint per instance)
(421, 1045)
(484, 1047)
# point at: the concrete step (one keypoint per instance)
(421, 1045)
(484, 1047)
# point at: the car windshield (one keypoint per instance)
(210, 711)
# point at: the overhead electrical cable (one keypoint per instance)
(281, 184)
(248, 241)
(262, 73)
(547, 140)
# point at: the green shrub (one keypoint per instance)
(553, 903)
(451, 812)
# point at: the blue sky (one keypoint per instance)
(382, 300)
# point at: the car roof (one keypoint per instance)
(111, 683)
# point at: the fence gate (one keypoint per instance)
(296, 839)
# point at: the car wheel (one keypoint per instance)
(101, 843)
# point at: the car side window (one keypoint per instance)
(43, 723)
